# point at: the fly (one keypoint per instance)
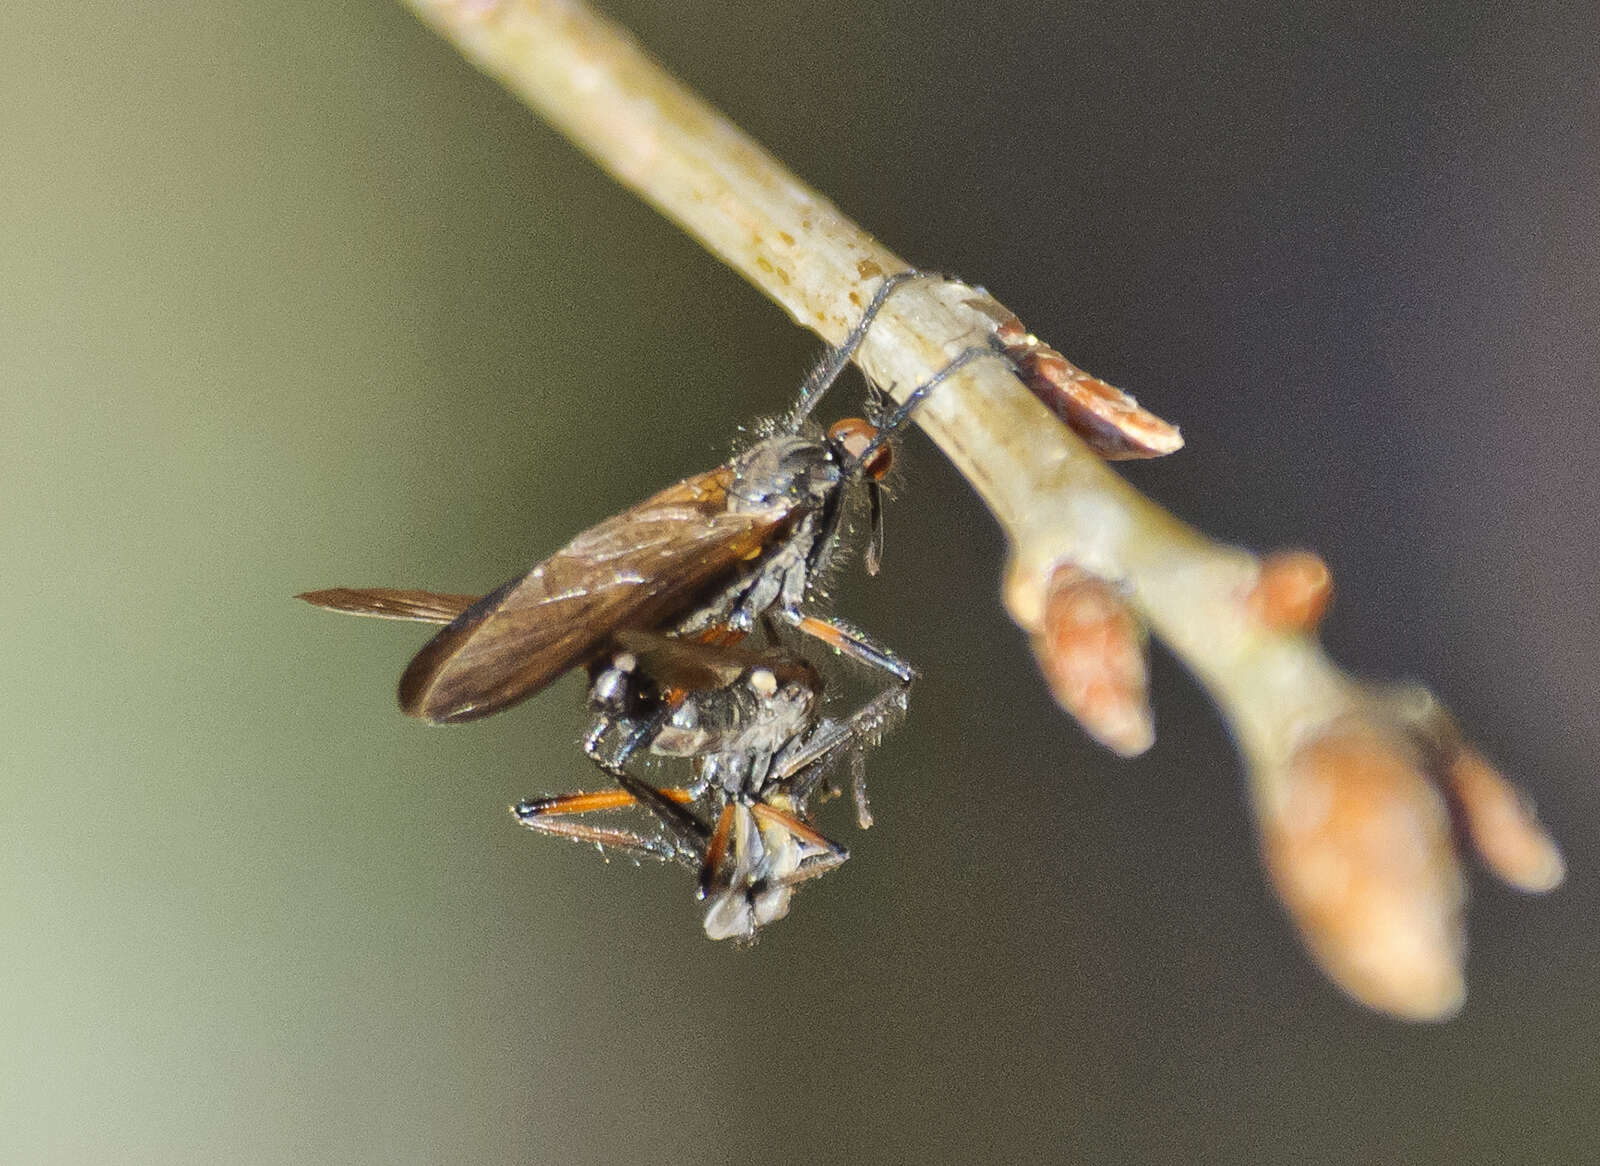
(749, 723)
(720, 549)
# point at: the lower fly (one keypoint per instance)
(759, 752)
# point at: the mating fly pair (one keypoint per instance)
(656, 602)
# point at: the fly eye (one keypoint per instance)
(853, 435)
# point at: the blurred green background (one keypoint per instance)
(291, 297)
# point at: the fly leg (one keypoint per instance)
(550, 816)
(811, 762)
(688, 832)
(870, 719)
(805, 765)
(852, 642)
(834, 360)
(827, 853)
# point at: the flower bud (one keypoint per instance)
(1359, 844)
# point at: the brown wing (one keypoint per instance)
(644, 568)
(691, 664)
(391, 603)
(687, 664)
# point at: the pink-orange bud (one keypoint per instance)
(1359, 844)
(1112, 423)
(1293, 591)
(1500, 821)
(1091, 650)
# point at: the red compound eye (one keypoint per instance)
(853, 435)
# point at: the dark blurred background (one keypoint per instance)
(292, 297)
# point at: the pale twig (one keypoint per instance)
(1353, 823)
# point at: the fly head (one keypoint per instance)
(787, 471)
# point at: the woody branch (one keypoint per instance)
(1352, 785)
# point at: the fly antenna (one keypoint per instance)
(896, 421)
(833, 362)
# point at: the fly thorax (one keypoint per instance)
(784, 715)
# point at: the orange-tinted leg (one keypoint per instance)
(716, 853)
(853, 643)
(802, 830)
(584, 803)
(551, 816)
(686, 828)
